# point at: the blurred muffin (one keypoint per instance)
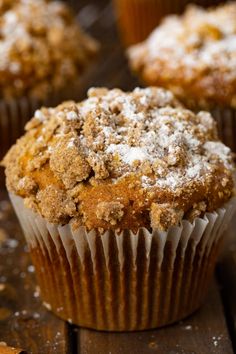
(123, 199)
(194, 55)
(137, 18)
(43, 54)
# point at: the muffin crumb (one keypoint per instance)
(111, 212)
(163, 216)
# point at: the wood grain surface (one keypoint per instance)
(202, 333)
(25, 322)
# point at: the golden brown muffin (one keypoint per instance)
(194, 55)
(121, 161)
(42, 48)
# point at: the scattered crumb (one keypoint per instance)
(188, 328)
(31, 269)
(153, 345)
(37, 291)
(2, 287)
(12, 243)
(47, 305)
(36, 315)
(216, 340)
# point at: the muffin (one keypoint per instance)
(123, 199)
(137, 18)
(43, 56)
(194, 55)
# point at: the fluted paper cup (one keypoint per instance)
(126, 281)
(137, 18)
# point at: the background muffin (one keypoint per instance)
(122, 191)
(137, 18)
(43, 53)
(194, 55)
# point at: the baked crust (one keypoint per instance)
(42, 48)
(194, 55)
(121, 161)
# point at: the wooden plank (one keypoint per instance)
(227, 277)
(203, 333)
(24, 322)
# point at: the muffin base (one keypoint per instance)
(124, 282)
(100, 299)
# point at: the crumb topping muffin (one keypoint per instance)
(121, 161)
(194, 55)
(42, 47)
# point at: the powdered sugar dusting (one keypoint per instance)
(148, 131)
(197, 38)
(144, 131)
(199, 45)
(136, 156)
(31, 33)
(128, 153)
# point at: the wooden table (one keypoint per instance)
(25, 323)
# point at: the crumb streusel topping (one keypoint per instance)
(194, 55)
(121, 161)
(42, 47)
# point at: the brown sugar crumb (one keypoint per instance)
(43, 52)
(121, 160)
(54, 203)
(111, 212)
(193, 55)
(98, 165)
(28, 185)
(197, 210)
(163, 216)
(68, 162)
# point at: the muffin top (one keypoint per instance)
(42, 47)
(120, 161)
(194, 55)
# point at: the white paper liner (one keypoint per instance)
(226, 121)
(209, 229)
(190, 242)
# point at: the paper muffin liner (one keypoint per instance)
(226, 121)
(137, 18)
(15, 113)
(127, 281)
